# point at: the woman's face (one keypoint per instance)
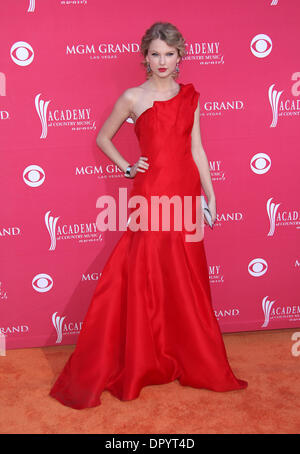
(160, 55)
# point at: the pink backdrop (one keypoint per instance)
(63, 66)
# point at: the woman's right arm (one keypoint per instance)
(121, 111)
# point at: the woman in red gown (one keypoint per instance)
(151, 319)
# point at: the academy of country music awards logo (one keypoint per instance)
(287, 107)
(279, 312)
(83, 232)
(76, 119)
(63, 327)
(279, 218)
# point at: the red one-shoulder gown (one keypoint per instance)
(151, 319)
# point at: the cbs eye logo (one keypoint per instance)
(42, 283)
(34, 176)
(257, 267)
(260, 163)
(22, 53)
(261, 46)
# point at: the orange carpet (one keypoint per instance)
(271, 403)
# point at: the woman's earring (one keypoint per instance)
(148, 67)
(177, 68)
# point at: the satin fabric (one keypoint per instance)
(151, 319)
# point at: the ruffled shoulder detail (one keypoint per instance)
(192, 95)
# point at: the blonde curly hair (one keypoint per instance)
(166, 32)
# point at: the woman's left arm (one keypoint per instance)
(201, 162)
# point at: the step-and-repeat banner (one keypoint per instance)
(63, 65)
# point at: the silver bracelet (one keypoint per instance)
(127, 172)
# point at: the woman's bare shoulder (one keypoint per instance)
(134, 93)
(134, 98)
